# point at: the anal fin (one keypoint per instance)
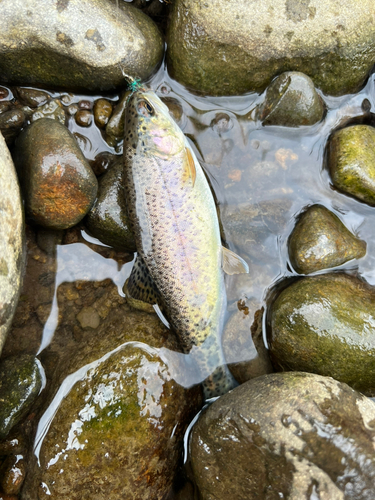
(233, 263)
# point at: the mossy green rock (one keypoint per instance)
(326, 324)
(20, 384)
(117, 433)
(291, 101)
(76, 44)
(286, 435)
(108, 219)
(237, 46)
(351, 162)
(320, 240)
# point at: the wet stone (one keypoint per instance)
(351, 162)
(12, 241)
(58, 184)
(20, 384)
(115, 126)
(102, 112)
(83, 118)
(11, 123)
(127, 417)
(84, 44)
(103, 162)
(229, 48)
(108, 219)
(320, 241)
(32, 97)
(291, 101)
(325, 324)
(12, 474)
(52, 109)
(243, 346)
(296, 435)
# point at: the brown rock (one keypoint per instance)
(58, 184)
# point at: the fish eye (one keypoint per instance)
(145, 108)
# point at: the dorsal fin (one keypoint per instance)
(233, 263)
(191, 165)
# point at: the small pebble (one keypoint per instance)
(83, 117)
(84, 104)
(4, 92)
(102, 112)
(88, 318)
(32, 97)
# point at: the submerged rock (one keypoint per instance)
(325, 324)
(243, 346)
(237, 46)
(86, 44)
(12, 241)
(291, 101)
(117, 426)
(286, 435)
(20, 384)
(57, 182)
(351, 162)
(320, 241)
(108, 219)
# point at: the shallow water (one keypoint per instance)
(271, 173)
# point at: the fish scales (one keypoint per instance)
(174, 220)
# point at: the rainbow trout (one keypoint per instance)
(173, 216)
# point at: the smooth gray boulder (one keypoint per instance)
(237, 46)
(12, 241)
(76, 44)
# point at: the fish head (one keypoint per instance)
(149, 123)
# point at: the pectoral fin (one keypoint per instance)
(233, 263)
(191, 165)
(140, 289)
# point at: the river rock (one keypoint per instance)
(58, 184)
(115, 126)
(243, 346)
(32, 97)
(52, 109)
(351, 162)
(108, 219)
(320, 240)
(117, 423)
(12, 241)
(102, 112)
(237, 46)
(286, 435)
(325, 324)
(76, 44)
(11, 123)
(20, 384)
(291, 101)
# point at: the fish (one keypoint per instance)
(180, 259)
